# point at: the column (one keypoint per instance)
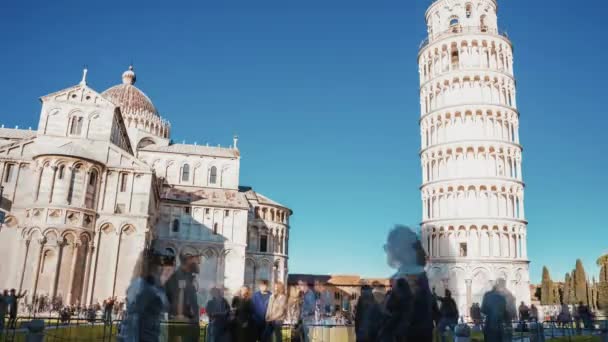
(60, 245)
(424, 216)
(93, 269)
(105, 187)
(27, 250)
(36, 188)
(132, 189)
(3, 167)
(35, 285)
(518, 165)
(16, 182)
(52, 183)
(116, 264)
(85, 186)
(85, 286)
(219, 277)
(469, 295)
(70, 188)
(75, 247)
(430, 241)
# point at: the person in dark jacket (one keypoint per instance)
(242, 325)
(260, 306)
(410, 289)
(181, 289)
(4, 303)
(13, 301)
(367, 316)
(499, 309)
(449, 314)
(218, 311)
(146, 302)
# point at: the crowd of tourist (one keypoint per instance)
(407, 310)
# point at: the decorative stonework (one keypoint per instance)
(99, 181)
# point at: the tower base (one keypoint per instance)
(469, 280)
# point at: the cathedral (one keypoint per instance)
(100, 180)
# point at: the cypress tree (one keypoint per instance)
(602, 288)
(580, 283)
(546, 289)
(567, 288)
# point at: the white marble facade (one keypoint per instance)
(473, 223)
(100, 179)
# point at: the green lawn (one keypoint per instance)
(96, 333)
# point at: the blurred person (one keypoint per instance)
(398, 311)
(533, 313)
(499, 309)
(308, 301)
(379, 292)
(242, 326)
(181, 290)
(13, 302)
(585, 315)
(325, 298)
(108, 307)
(524, 312)
(449, 314)
(260, 307)
(307, 314)
(564, 317)
(276, 313)
(409, 286)
(367, 316)
(218, 311)
(294, 307)
(4, 303)
(476, 315)
(146, 301)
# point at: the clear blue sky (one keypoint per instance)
(324, 95)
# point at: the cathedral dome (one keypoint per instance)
(129, 98)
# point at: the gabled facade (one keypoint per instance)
(99, 181)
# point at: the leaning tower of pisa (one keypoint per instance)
(473, 224)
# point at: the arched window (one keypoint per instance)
(145, 142)
(455, 59)
(213, 175)
(469, 8)
(454, 22)
(185, 173)
(482, 23)
(91, 189)
(76, 125)
(8, 173)
(123, 182)
(264, 243)
(93, 178)
(175, 226)
(215, 228)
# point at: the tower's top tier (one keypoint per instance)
(446, 16)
